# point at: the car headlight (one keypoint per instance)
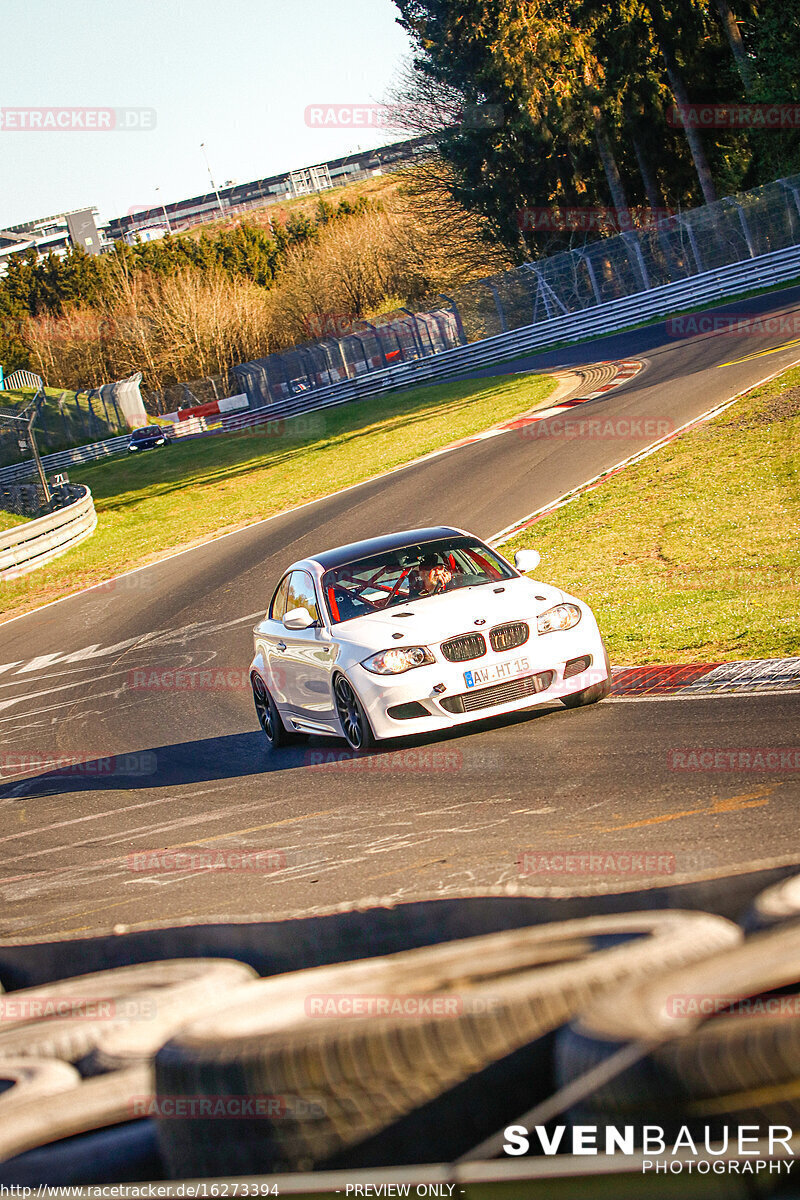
(398, 659)
(563, 616)
(159, 441)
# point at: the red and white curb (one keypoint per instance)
(625, 372)
(687, 680)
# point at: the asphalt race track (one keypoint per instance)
(159, 767)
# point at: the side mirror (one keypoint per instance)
(298, 618)
(527, 560)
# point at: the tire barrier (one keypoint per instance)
(344, 1052)
(726, 1043)
(39, 541)
(88, 1105)
(540, 962)
(112, 1018)
(775, 905)
(363, 931)
(25, 1081)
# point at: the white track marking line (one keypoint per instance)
(64, 687)
(139, 832)
(36, 831)
(178, 636)
(193, 662)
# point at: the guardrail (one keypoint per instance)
(780, 266)
(67, 458)
(764, 271)
(38, 541)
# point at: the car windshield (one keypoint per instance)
(147, 431)
(408, 575)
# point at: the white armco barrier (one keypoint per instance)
(39, 541)
(232, 403)
(129, 398)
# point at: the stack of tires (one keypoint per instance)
(76, 1062)
(192, 1068)
(724, 1032)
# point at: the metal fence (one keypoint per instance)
(364, 348)
(91, 415)
(189, 395)
(674, 248)
(781, 266)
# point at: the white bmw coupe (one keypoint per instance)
(418, 631)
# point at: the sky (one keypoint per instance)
(237, 75)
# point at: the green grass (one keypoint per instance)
(10, 521)
(693, 554)
(168, 499)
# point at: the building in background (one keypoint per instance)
(79, 227)
(83, 230)
(238, 197)
(53, 235)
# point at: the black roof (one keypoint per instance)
(390, 541)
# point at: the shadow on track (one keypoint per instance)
(234, 756)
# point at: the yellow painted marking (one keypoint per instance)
(756, 799)
(759, 354)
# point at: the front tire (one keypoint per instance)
(268, 716)
(352, 718)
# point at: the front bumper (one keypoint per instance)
(541, 683)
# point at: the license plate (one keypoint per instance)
(496, 672)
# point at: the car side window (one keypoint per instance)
(302, 593)
(278, 603)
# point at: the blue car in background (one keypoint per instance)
(148, 437)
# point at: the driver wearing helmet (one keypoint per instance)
(429, 577)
